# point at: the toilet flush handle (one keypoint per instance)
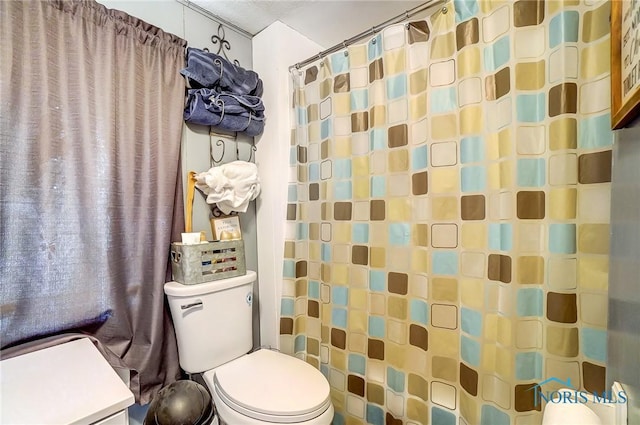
(195, 304)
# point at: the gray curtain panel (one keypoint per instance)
(91, 106)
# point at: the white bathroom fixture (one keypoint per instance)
(583, 408)
(70, 383)
(213, 323)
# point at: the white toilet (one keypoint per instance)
(569, 414)
(214, 332)
(587, 410)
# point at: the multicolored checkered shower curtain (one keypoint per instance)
(448, 214)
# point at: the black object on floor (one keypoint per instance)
(181, 403)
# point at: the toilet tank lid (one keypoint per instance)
(180, 290)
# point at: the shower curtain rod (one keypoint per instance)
(399, 18)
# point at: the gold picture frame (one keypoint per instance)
(625, 62)
(226, 228)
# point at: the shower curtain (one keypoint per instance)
(448, 215)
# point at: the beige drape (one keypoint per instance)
(90, 129)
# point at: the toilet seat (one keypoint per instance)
(272, 387)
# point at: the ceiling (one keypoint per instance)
(324, 21)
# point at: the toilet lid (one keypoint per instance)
(267, 384)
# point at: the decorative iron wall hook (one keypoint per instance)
(223, 44)
(254, 148)
(221, 145)
(251, 152)
(219, 142)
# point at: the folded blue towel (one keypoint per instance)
(226, 111)
(223, 95)
(206, 69)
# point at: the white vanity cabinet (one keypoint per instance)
(70, 383)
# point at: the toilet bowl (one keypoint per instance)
(213, 330)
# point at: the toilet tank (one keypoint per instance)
(212, 320)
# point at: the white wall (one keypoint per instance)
(274, 50)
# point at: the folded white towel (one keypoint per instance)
(231, 186)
